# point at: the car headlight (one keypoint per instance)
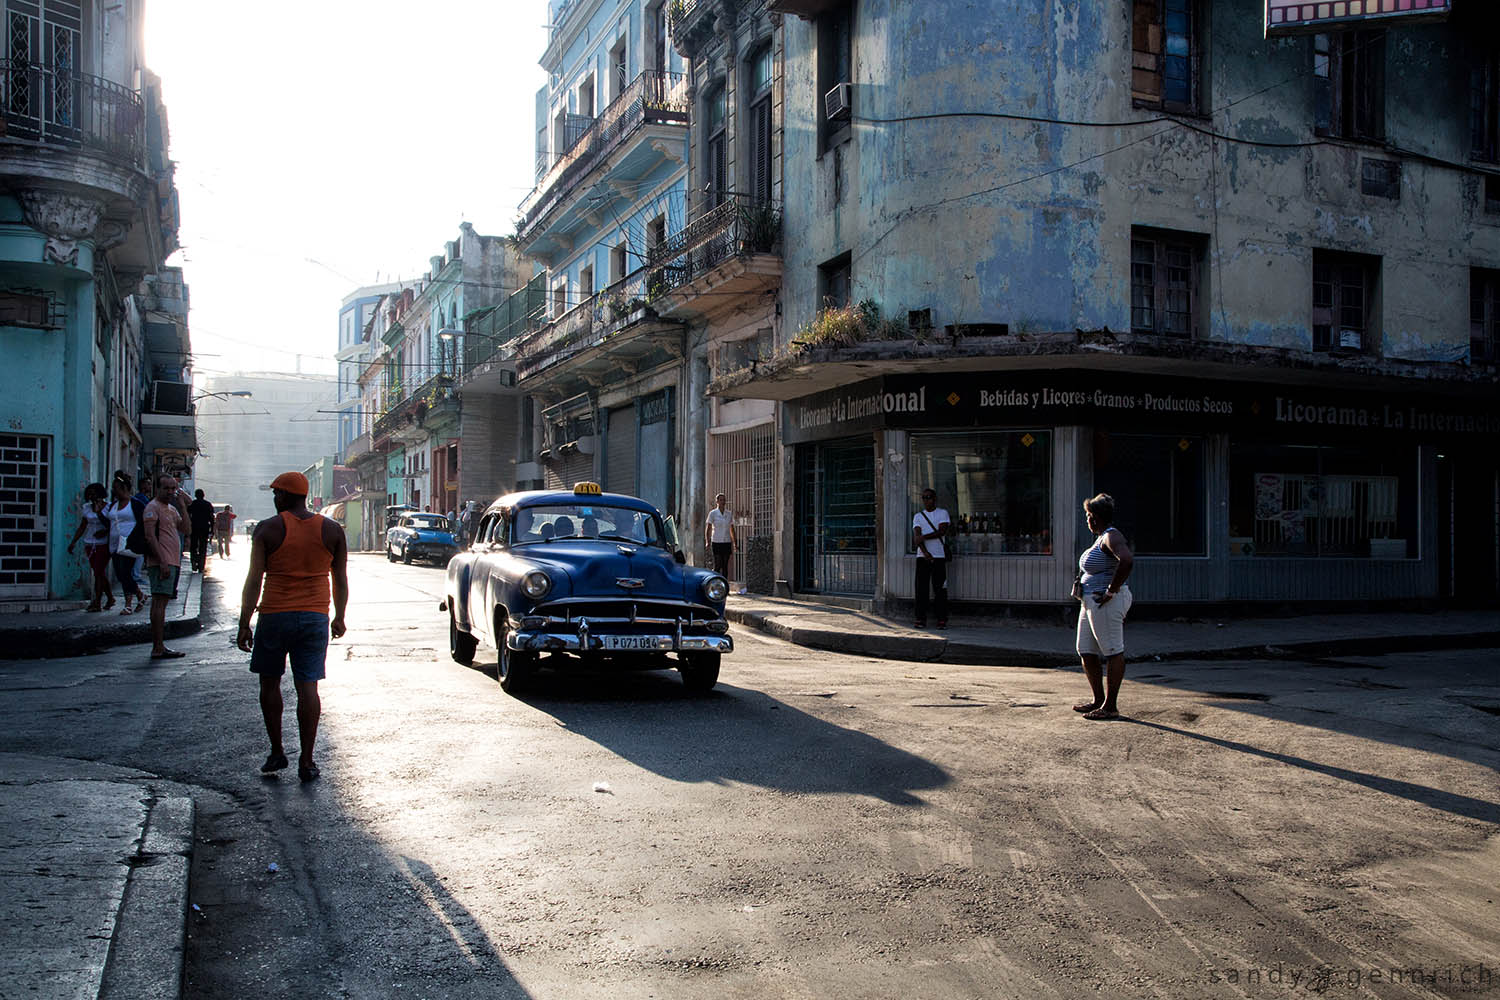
(536, 585)
(715, 588)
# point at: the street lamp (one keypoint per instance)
(242, 393)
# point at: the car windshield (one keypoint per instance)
(433, 522)
(545, 523)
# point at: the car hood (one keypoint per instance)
(593, 568)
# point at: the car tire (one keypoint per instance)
(461, 645)
(406, 554)
(700, 671)
(515, 669)
(389, 555)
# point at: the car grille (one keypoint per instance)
(616, 611)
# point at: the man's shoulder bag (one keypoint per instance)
(950, 553)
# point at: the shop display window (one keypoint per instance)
(996, 486)
(1159, 482)
(1311, 500)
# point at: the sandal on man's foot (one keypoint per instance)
(1101, 714)
(1085, 706)
(307, 772)
(275, 762)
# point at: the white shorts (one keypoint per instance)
(1101, 629)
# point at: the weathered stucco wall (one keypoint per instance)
(1028, 222)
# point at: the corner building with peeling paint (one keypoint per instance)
(1244, 277)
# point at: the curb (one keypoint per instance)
(147, 950)
(932, 649)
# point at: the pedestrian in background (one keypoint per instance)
(93, 528)
(201, 522)
(294, 555)
(928, 529)
(127, 540)
(1105, 600)
(164, 523)
(224, 528)
(718, 535)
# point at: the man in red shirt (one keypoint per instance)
(163, 527)
(295, 554)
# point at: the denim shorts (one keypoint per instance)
(302, 635)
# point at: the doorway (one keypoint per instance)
(836, 531)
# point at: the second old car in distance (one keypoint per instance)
(590, 579)
(420, 536)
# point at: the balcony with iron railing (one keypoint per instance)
(731, 250)
(405, 414)
(618, 317)
(58, 107)
(488, 331)
(651, 102)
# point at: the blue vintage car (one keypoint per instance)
(587, 578)
(420, 536)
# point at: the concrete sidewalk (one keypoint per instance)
(38, 630)
(94, 867)
(1028, 643)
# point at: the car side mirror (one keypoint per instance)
(678, 557)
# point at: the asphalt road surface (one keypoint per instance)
(820, 826)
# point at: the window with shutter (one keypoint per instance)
(760, 150)
(1349, 84)
(1166, 54)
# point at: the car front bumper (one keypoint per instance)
(588, 642)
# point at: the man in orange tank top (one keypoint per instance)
(295, 554)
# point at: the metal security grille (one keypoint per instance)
(742, 467)
(25, 515)
(836, 518)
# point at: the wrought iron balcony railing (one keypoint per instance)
(585, 324)
(650, 99)
(487, 333)
(425, 396)
(738, 226)
(60, 107)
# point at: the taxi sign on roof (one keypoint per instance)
(588, 489)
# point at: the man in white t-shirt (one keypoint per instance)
(718, 535)
(928, 529)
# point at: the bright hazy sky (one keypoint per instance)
(326, 144)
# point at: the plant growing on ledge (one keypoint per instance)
(845, 326)
(760, 226)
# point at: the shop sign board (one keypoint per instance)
(1291, 17)
(1034, 399)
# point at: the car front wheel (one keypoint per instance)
(461, 645)
(389, 555)
(700, 671)
(406, 553)
(515, 669)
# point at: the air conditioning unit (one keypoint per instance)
(170, 397)
(838, 101)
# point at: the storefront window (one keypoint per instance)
(1310, 500)
(1158, 482)
(996, 485)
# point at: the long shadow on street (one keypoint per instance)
(732, 734)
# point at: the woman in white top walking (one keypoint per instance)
(127, 541)
(93, 528)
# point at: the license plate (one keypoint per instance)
(637, 642)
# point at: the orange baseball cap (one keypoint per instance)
(291, 482)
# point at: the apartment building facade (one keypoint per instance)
(95, 378)
(1241, 277)
(602, 372)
